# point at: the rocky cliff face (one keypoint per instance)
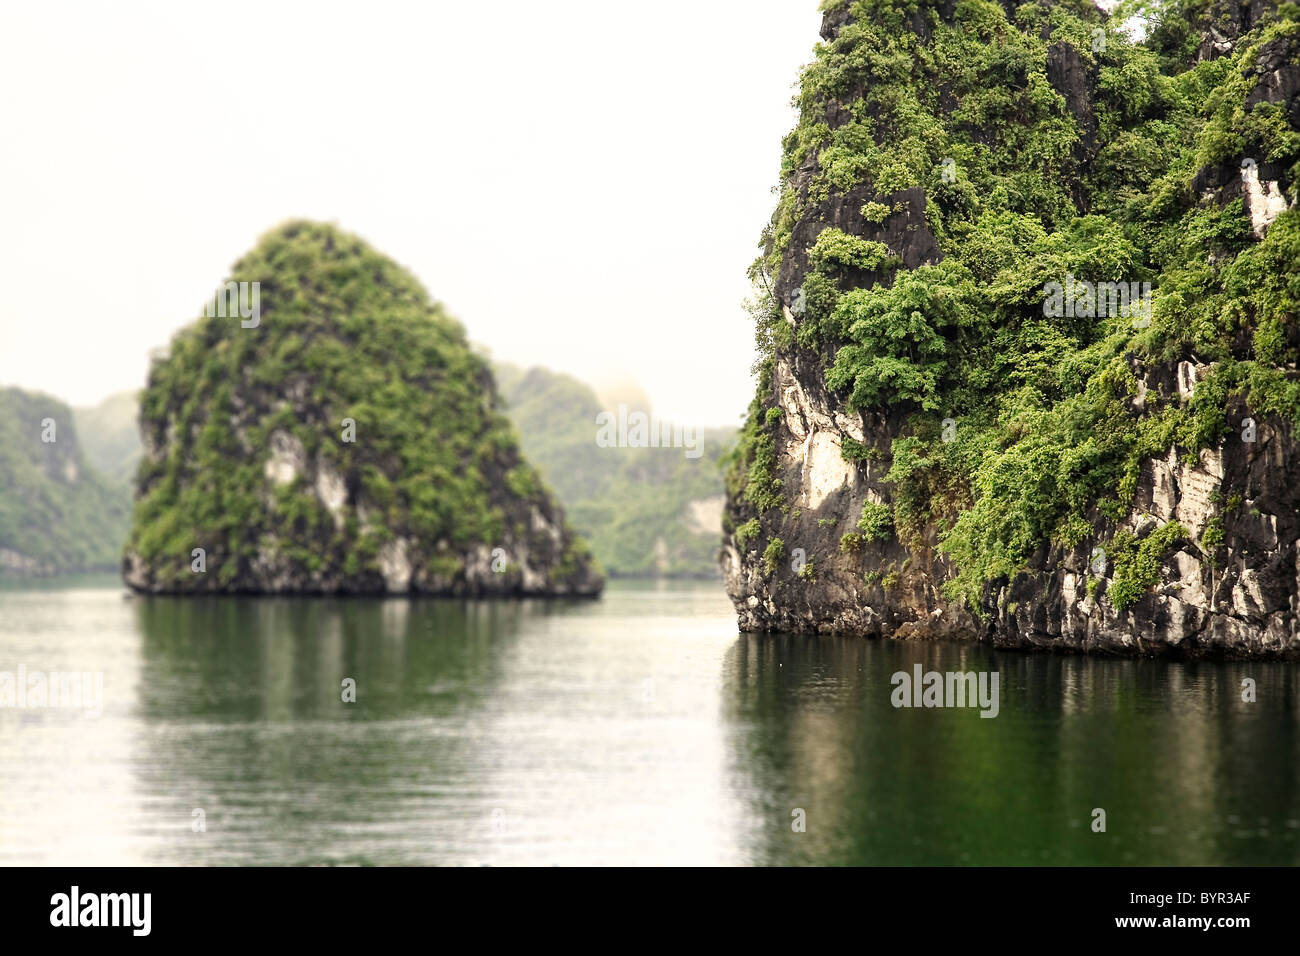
(931, 452)
(327, 429)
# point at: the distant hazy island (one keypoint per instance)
(58, 512)
(339, 436)
(646, 511)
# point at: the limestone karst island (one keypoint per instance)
(968, 419)
(345, 439)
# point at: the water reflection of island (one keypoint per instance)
(243, 701)
(1187, 772)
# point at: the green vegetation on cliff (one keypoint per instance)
(1036, 142)
(350, 441)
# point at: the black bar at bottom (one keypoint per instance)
(335, 906)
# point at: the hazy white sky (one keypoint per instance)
(582, 182)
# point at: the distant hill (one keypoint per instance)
(110, 435)
(645, 511)
(57, 512)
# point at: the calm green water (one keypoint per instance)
(641, 728)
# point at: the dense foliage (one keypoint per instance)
(1048, 440)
